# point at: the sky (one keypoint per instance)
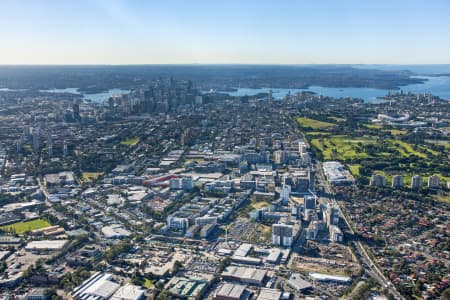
(224, 32)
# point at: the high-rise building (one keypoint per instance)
(198, 100)
(285, 193)
(65, 148)
(50, 145)
(36, 132)
(331, 214)
(302, 147)
(312, 180)
(283, 235)
(378, 180)
(280, 156)
(19, 145)
(177, 223)
(397, 181)
(76, 110)
(336, 234)
(183, 183)
(310, 202)
(434, 182)
(416, 182)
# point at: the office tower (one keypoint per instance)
(285, 192)
(36, 132)
(65, 148)
(310, 202)
(312, 180)
(76, 110)
(19, 145)
(50, 145)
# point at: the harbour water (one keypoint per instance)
(95, 97)
(439, 86)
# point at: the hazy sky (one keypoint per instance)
(224, 31)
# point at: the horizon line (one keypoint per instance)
(224, 64)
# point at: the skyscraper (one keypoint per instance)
(36, 132)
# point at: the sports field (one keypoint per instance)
(23, 227)
(130, 142)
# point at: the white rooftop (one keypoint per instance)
(128, 292)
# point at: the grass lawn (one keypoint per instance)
(257, 205)
(23, 227)
(341, 147)
(354, 169)
(314, 124)
(316, 133)
(130, 142)
(372, 126)
(148, 283)
(406, 149)
(445, 199)
(91, 176)
(444, 143)
(266, 230)
(397, 132)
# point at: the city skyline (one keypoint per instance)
(172, 32)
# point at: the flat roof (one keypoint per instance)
(128, 292)
(320, 276)
(46, 245)
(269, 294)
(245, 273)
(298, 283)
(231, 290)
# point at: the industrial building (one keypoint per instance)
(46, 245)
(330, 278)
(97, 287)
(244, 275)
(129, 292)
(115, 231)
(336, 173)
(269, 294)
(187, 288)
(298, 283)
(229, 291)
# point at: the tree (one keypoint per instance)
(446, 294)
(177, 266)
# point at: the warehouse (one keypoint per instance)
(245, 275)
(228, 291)
(97, 287)
(128, 292)
(46, 245)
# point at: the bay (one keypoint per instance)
(94, 97)
(436, 85)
